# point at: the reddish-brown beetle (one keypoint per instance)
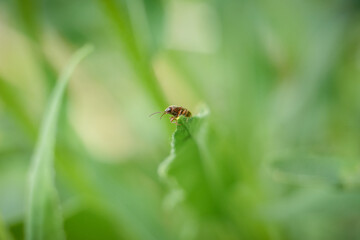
(175, 111)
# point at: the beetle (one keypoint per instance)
(176, 112)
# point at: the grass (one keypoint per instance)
(274, 156)
(44, 218)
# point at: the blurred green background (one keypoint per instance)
(279, 151)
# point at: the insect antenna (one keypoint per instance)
(154, 113)
(162, 115)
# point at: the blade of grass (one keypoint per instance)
(29, 14)
(43, 213)
(139, 60)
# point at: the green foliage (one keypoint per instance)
(312, 169)
(15, 108)
(185, 169)
(43, 211)
(3, 232)
(274, 156)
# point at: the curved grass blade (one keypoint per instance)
(43, 212)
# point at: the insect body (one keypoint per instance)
(176, 112)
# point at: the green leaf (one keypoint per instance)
(43, 212)
(187, 169)
(122, 25)
(308, 169)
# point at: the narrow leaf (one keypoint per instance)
(43, 212)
